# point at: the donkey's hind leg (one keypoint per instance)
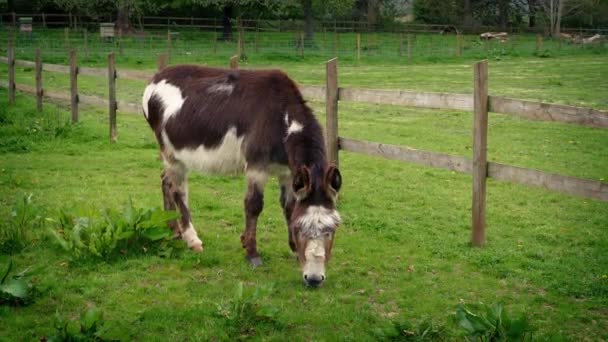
(169, 203)
(175, 188)
(254, 203)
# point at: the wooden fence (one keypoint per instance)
(480, 103)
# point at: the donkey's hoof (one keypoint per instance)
(255, 261)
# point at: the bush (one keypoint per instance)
(248, 313)
(15, 231)
(495, 325)
(104, 233)
(15, 289)
(91, 327)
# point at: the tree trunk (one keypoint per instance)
(122, 20)
(372, 13)
(309, 28)
(227, 23)
(532, 13)
(503, 13)
(468, 15)
(558, 21)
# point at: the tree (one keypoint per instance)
(555, 10)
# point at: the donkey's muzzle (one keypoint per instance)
(314, 280)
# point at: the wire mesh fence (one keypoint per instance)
(194, 45)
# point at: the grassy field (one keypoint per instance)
(402, 257)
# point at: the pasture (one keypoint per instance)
(402, 256)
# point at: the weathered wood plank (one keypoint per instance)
(313, 92)
(92, 100)
(135, 75)
(480, 152)
(331, 111)
(569, 185)
(11, 71)
(128, 107)
(27, 64)
(112, 96)
(407, 154)
(549, 112)
(39, 90)
(95, 72)
(162, 61)
(74, 85)
(56, 68)
(408, 98)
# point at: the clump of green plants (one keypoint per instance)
(492, 323)
(106, 233)
(15, 231)
(90, 327)
(15, 289)
(406, 331)
(249, 313)
(23, 128)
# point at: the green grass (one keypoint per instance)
(402, 256)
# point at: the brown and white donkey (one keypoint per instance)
(228, 122)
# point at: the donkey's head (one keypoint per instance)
(314, 219)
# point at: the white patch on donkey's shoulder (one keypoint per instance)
(295, 127)
(317, 220)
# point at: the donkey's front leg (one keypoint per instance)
(287, 201)
(254, 203)
(175, 186)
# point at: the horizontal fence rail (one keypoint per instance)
(565, 184)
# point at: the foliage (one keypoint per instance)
(22, 131)
(90, 327)
(248, 312)
(495, 325)
(405, 331)
(23, 219)
(15, 289)
(107, 232)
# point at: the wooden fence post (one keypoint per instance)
(480, 162)
(86, 43)
(161, 63)
(331, 109)
(74, 85)
(169, 44)
(301, 44)
(112, 96)
(238, 44)
(66, 33)
(120, 41)
(234, 62)
(409, 48)
(358, 47)
(539, 43)
(43, 20)
(11, 71)
(38, 80)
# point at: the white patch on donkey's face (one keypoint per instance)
(318, 220)
(168, 94)
(315, 259)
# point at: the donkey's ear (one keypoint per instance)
(301, 183)
(333, 179)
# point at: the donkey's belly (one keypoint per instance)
(225, 158)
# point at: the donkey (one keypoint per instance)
(220, 121)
